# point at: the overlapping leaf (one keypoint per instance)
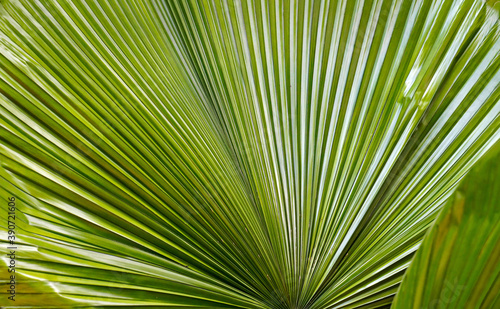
(457, 265)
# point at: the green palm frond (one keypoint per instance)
(236, 153)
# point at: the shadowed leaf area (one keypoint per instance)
(283, 154)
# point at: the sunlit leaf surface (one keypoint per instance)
(236, 153)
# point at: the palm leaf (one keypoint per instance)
(250, 154)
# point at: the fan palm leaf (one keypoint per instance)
(242, 154)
